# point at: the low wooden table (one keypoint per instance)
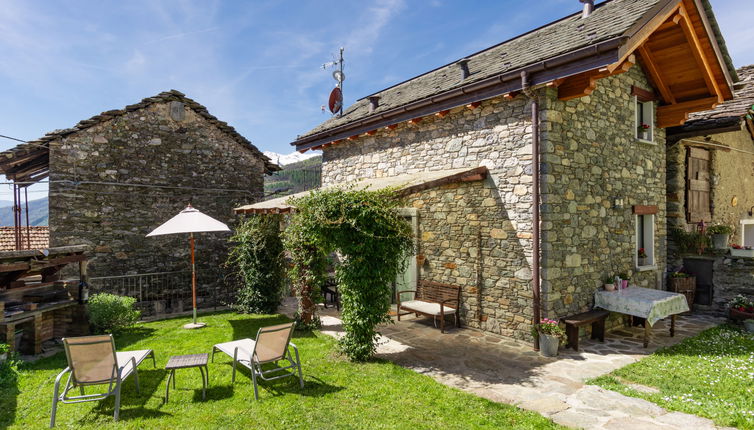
(184, 362)
(652, 305)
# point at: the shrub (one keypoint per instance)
(256, 264)
(109, 313)
(720, 229)
(4, 347)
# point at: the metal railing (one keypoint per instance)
(165, 293)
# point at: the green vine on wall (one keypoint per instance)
(373, 240)
(256, 264)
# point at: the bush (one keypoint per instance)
(109, 313)
(256, 264)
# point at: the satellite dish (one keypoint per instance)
(336, 100)
(339, 76)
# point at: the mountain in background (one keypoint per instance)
(38, 212)
(295, 177)
(293, 157)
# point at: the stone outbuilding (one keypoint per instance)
(118, 175)
(589, 96)
(710, 165)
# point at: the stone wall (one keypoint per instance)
(187, 158)
(467, 239)
(590, 158)
(496, 134)
(731, 176)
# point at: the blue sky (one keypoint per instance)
(254, 64)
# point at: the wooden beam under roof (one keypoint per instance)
(698, 51)
(654, 73)
(585, 83)
(676, 114)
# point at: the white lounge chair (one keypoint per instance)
(271, 345)
(92, 360)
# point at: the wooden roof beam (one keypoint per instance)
(654, 72)
(676, 114)
(698, 51)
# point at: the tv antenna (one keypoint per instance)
(335, 103)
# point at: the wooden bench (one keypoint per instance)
(432, 299)
(595, 317)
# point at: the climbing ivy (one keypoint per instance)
(373, 241)
(256, 264)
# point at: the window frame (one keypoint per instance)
(645, 232)
(644, 110)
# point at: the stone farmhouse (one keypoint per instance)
(552, 149)
(710, 168)
(118, 175)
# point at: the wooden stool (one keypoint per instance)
(595, 317)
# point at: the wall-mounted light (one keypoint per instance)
(751, 211)
(618, 203)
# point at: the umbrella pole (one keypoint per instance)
(193, 274)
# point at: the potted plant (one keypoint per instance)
(741, 251)
(643, 131)
(4, 349)
(741, 308)
(749, 324)
(624, 278)
(720, 235)
(550, 335)
(608, 282)
(643, 258)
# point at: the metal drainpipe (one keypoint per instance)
(536, 304)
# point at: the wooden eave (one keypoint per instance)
(680, 56)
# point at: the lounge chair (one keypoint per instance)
(271, 345)
(92, 360)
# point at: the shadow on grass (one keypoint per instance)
(131, 335)
(132, 402)
(214, 393)
(313, 386)
(8, 394)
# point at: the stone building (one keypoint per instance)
(589, 96)
(118, 175)
(710, 165)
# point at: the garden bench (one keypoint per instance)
(595, 317)
(432, 299)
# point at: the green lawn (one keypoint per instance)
(710, 375)
(338, 393)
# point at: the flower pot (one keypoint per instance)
(609, 287)
(624, 284)
(720, 241)
(548, 345)
(643, 261)
(749, 324)
(741, 252)
(737, 315)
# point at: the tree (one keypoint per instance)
(256, 263)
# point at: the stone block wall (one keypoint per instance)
(591, 157)
(467, 240)
(731, 176)
(189, 159)
(731, 276)
(497, 134)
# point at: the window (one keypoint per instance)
(644, 120)
(645, 241)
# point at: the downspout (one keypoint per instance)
(536, 302)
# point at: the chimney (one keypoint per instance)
(464, 65)
(588, 8)
(374, 102)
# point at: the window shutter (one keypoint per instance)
(698, 185)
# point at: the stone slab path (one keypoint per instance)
(507, 371)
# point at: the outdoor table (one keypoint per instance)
(652, 305)
(184, 362)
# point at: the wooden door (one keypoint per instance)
(698, 185)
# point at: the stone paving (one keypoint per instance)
(508, 371)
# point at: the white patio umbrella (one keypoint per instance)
(190, 221)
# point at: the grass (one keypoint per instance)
(338, 393)
(709, 375)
